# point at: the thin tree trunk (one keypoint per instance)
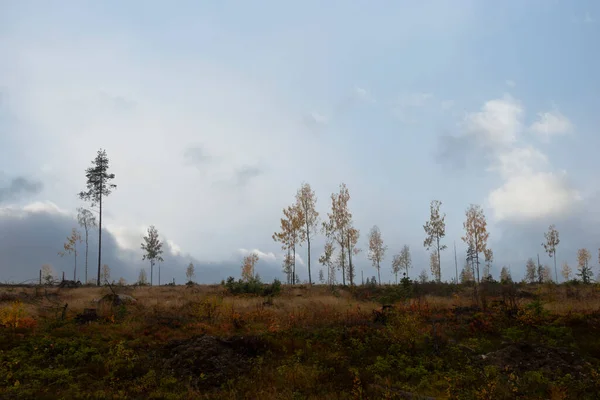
(439, 271)
(159, 274)
(477, 258)
(86, 253)
(294, 266)
(308, 243)
(350, 271)
(75, 268)
(555, 270)
(455, 262)
(151, 271)
(343, 265)
(378, 274)
(99, 240)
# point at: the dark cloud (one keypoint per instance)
(462, 152)
(19, 187)
(29, 240)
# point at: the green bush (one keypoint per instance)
(252, 286)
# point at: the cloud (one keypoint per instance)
(270, 256)
(404, 106)
(197, 156)
(362, 94)
(497, 123)
(533, 195)
(315, 120)
(551, 124)
(245, 174)
(510, 83)
(19, 187)
(530, 188)
(32, 236)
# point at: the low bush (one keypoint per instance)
(252, 286)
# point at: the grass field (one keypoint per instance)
(202, 342)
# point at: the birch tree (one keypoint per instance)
(434, 264)
(530, 271)
(552, 240)
(152, 246)
(583, 259)
(106, 273)
(566, 271)
(87, 221)
(98, 187)
(306, 201)
(489, 258)
(338, 225)
(402, 261)
(435, 229)
(476, 234)
(190, 272)
(377, 250)
(327, 261)
(248, 266)
(70, 247)
(353, 250)
(505, 275)
(291, 227)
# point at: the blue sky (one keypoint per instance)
(481, 102)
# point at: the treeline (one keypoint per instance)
(301, 223)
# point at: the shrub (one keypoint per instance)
(252, 286)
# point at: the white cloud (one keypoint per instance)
(533, 195)
(510, 83)
(551, 123)
(529, 189)
(519, 161)
(269, 256)
(363, 94)
(499, 122)
(174, 248)
(42, 207)
(127, 237)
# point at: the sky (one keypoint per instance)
(213, 114)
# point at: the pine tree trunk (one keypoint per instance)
(99, 240)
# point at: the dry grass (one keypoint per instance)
(315, 301)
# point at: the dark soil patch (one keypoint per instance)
(208, 361)
(523, 357)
